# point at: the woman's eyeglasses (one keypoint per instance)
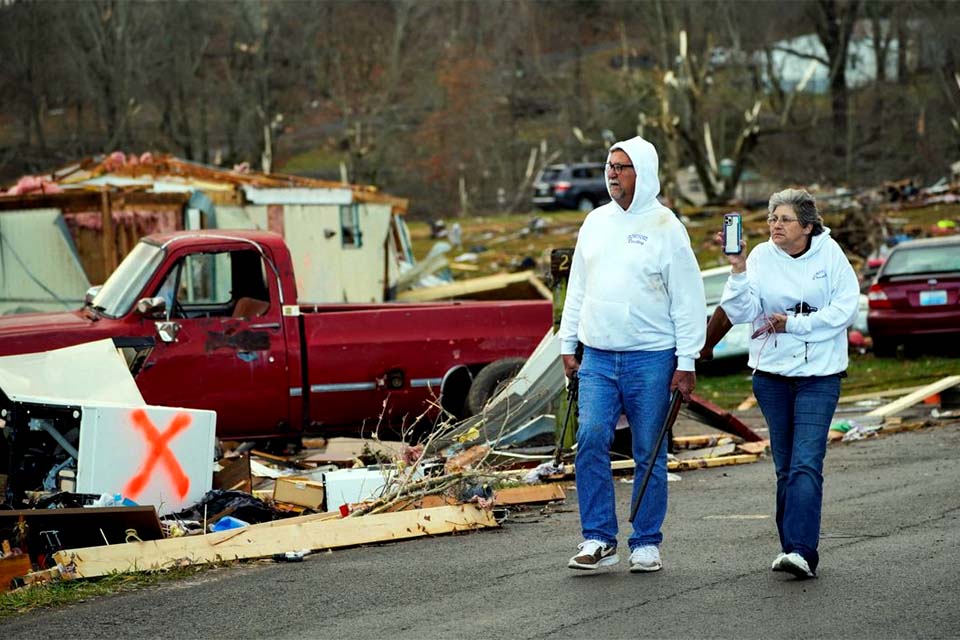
(783, 219)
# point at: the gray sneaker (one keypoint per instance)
(593, 555)
(778, 562)
(795, 564)
(645, 558)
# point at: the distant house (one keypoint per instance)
(63, 232)
(791, 60)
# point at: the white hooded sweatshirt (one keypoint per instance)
(634, 282)
(821, 283)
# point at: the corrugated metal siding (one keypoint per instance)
(39, 269)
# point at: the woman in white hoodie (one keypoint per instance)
(800, 293)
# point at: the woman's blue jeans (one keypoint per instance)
(798, 412)
(636, 383)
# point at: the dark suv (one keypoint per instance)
(571, 186)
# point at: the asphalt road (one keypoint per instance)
(890, 569)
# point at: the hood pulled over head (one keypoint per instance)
(646, 164)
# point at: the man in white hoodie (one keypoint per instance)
(635, 301)
(800, 293)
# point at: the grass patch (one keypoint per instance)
(866, 374)
(316, 161)
(61, 593)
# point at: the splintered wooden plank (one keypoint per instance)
(428, 501)
(706, 440)
(754, 447)
(532, 494)
(877, 394)
(708, 452)
(263, 540)
(913, 398)
(679, 465)
(708, 463)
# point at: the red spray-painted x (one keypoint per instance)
(158, 452)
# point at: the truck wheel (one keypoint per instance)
(490, 380)
(585, 205)
(453, 391)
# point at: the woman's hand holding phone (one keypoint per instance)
(738, 261)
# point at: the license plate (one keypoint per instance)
(930, 298)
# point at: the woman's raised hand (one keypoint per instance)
(737, 260)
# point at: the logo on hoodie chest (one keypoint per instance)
(637, 238)
(820, 275)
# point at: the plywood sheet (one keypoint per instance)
(258, 541)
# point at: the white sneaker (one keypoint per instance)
(795, 564)
(646, 558)
(593, 555)
(777, 566)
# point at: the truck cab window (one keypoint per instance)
(224, 284)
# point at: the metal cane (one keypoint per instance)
(667, 423)
(573, 390)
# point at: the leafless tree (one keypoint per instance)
(183, 80)
(834, 21)
(23, 46)
(107, 42)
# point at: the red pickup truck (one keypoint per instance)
(211, 320)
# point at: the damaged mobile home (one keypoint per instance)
(348, 242)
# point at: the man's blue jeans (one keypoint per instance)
(636, 383)
(798, 412)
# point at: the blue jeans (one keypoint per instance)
(636, 383)
(798, 412)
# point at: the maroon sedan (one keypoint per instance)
(916, 294)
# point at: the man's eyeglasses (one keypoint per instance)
(617, 167)
(783, 219)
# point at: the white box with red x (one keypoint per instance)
(152, 455)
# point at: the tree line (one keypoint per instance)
(457, 104)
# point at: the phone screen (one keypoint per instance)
(732, 231)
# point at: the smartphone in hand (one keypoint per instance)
(732, 233)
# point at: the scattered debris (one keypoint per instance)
(917, 396)
(501, 286)
(11, 567)
(299, 491)
(538, 494)
(709, 452)
(44, 531)
(719, 418)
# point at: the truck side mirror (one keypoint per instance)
(91, 294)
(156, 306)
(167, 330)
